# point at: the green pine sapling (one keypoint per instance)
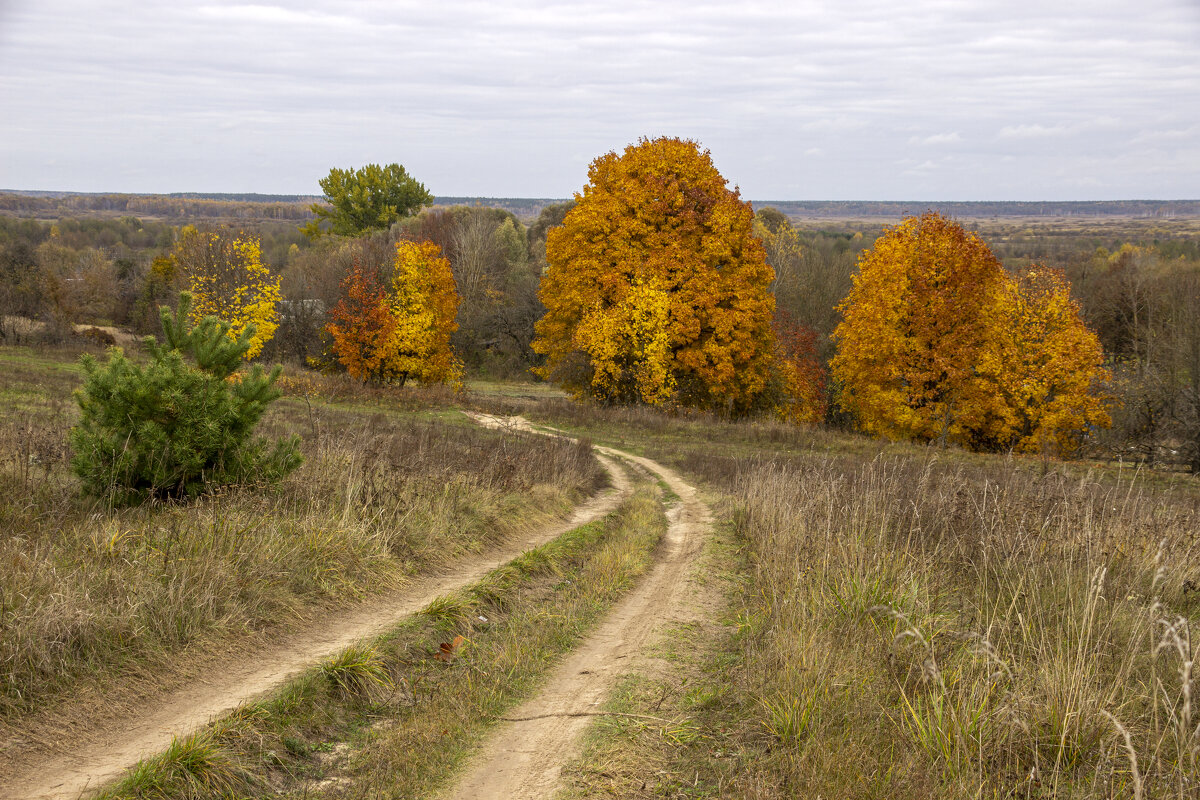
(174, 430)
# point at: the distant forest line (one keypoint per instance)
(254, 206)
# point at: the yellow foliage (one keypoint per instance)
(228, 280)
(402, 330)
(656, 289)
(629, 343)
(1045, 364)
(424, 301)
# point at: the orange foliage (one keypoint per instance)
(938, 343)
(403, 333)
(800, 371)
(657, 289)
(362, 326)
(913, 329)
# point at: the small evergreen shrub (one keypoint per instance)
(174, 429)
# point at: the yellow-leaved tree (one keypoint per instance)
(1046, 365)
(400, 331)
(656, 289)
(424, 300)
(228, 280)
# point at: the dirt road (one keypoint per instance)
(523, 759)
(104, 748)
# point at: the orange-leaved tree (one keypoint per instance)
(228, 280)
(801, 373)
(362, 326)
(1046, 365)
(914, 328)
(401, 331)
(656, 289)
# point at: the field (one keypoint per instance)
(848, 617)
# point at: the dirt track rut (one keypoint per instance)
(84, 762)
(523, 759)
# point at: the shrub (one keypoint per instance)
(171, 429)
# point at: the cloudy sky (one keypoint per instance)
(865, 99)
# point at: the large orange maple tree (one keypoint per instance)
(657, 289)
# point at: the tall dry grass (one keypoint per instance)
(927, 628)
(86, 590)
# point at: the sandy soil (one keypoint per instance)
(98, 750)
(523, 759)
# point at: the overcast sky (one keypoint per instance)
(868, 99)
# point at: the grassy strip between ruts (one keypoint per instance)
(396, 717)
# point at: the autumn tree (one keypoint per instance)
(366, 199)
(362, 327)
(1045, 365)
(228, 280)
(424, 300)
(914, 328)
(939, 343)
(402, 331)
(656, 288)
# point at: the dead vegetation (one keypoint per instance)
(87, 592)
(918, 623)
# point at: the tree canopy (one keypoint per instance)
(228, 280)
(1045, 365)
(365, 199)
(403, 331)
(656, 289)
(938, 343)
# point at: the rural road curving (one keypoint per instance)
(78, 764)
(523, 759)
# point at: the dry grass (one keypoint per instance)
(87, 591)
(945, 631)
(916, 623)
(395, 717)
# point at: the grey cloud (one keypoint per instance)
(516, 98)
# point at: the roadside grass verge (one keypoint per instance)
(917, 629)
(396, 717)
(88, 593)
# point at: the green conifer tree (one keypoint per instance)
(171, 429)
